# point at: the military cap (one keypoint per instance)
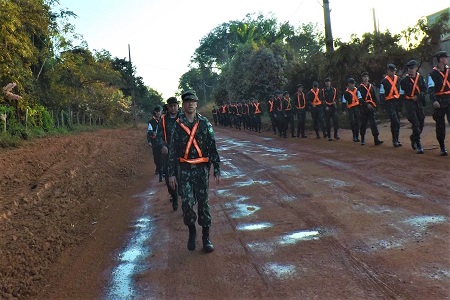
(285, 93)
(441, 54)
(172, 100)
(189, 95)
(157, 108)
(351, 80)
(391, 67)
(327, 79)
(364, 74)
(412, 63)
(315, 83)
(299, 85)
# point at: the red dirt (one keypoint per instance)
(342, 221)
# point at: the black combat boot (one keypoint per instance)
(419, 147)
(413, 143)
(329, 136)
(317, 135)
(443, 150)
(336, 136)
(395, 140)
(207, 245)
(192, 238)
(377, 141)
(363, 140)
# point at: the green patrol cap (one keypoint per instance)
(189, 95)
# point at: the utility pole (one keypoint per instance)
(328, 34)
(133, 106)
(375, 29)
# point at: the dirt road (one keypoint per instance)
(84, 217)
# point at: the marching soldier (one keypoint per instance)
(288, 114)
(215, 113)
(390, 96)
(193, 151)
(367, 109)
(350, 101)
(272, 114)
(412, 90)
(164, 138)
(317, 109)
(300, 111)
(257, 115)
(152, 130)
(439, 89)
(329, 96)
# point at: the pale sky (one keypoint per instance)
(163, 34)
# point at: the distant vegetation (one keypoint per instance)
(49, 84)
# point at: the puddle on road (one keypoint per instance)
(399, 189)
(250, 182)
(280, 271)
(251, 227)
(422, 222)
(269, 247)
(336, 183)
(336, 164)
(295, 237)
(242, 210)
(131, 259)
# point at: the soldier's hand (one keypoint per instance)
(164, 150)
(436, 104)
(173, 182)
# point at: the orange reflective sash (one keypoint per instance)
(288, 106)
(191, 141)
(445, 83)
(257, 110)
(334, 96)
(224, 109)
(393, 93)
(368, 98)
(299, 101)
(271, 105)
(316, 100)
(355, 101)
(415, 87)
(163, 124)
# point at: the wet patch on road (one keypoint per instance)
(396, 188)
(255, 226)
(250, 182)
(132, 258)
(241, 210)
(298, 236)
(336, 183)
(280, 271)
(336, 164)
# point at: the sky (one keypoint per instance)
(163, 34)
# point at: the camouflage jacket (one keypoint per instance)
(205, 139)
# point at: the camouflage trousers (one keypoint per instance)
(193, 186)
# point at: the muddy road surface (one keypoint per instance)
(292, 219)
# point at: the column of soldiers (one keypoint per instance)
(244, 114)
(359, 102)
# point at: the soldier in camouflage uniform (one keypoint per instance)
(163, 140)
(152, 129)
(193, 151)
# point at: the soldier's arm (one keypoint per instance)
(214, 158)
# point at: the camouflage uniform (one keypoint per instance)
(368, 103)
(317, 110)
(151, 138)
(193, 180)
(164, 138)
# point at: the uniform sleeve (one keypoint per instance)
(172, 161)
(213, 153)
